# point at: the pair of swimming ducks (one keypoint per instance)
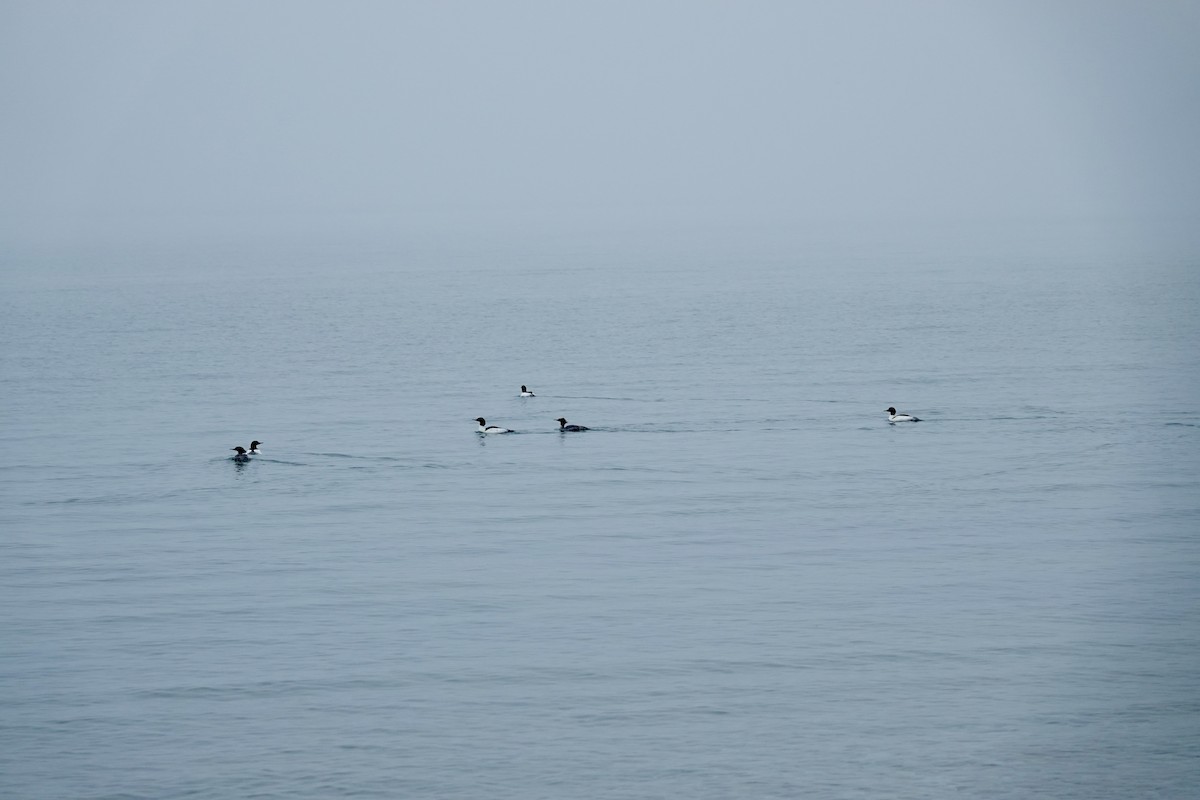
(240, 453)
(562, 426)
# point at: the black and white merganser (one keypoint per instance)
(254, 451)
(894, 417)
(240, 454)
(563, 426)
(526, 393)
(485, 428)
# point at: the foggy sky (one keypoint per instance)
(139, 117)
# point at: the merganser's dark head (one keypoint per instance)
(254, 445)
(892, 411)
(241, 451)
(480, 420)
(561, 422)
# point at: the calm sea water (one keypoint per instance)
(741, 583)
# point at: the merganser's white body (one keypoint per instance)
(526, 393)
(894, 417)
(485, 428)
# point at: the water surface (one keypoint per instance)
(742, 582)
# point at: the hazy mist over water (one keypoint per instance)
(158, 121)
(723, 237)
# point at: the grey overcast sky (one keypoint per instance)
(129, 117)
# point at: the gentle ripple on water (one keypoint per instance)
(740, 583)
